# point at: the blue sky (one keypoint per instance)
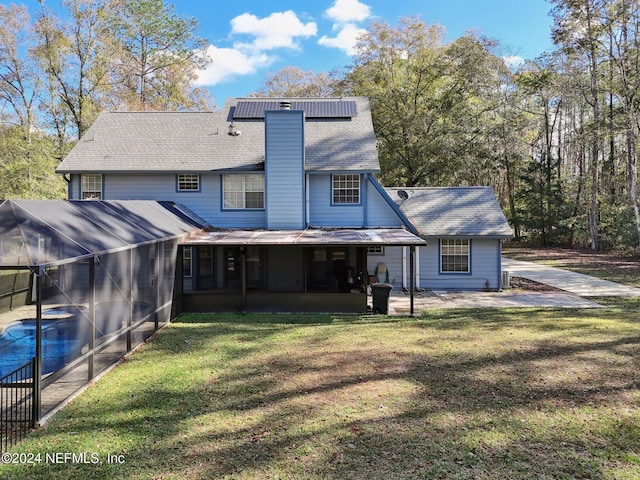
(252, 38)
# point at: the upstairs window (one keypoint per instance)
(346, 189)
(454, 255)
(91, 185)
(243, 191)
(188, 182)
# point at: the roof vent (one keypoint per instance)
(233, 131)
(403, 194)
(284, 105)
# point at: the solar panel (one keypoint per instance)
(312, 109)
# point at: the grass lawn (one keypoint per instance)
(455, 394)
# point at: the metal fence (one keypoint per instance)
(17, 405)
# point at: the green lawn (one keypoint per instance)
(482, 394)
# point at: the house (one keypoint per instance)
(293, 216)
(464, 228)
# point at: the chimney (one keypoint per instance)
(284, 168)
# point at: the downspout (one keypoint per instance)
(307, 200)
(365, 203)
(404, 267)
(243, 269)
(412, 251)
(500, 285)
(417, 267)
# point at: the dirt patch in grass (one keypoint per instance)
(526, 284)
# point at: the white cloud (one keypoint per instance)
(345, 15)
(513, 61)
(229, 62)
(348, 11)
(345, 40)
(278, 30)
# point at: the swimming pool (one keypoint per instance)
(62, 340)
(65, 332)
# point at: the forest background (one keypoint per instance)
(556, 137)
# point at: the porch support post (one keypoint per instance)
(412, 280)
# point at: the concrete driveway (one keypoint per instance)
(576, 283)
(575, 288)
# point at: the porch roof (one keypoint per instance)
(307, 237)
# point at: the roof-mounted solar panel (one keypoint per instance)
(312, 109)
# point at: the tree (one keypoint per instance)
(578, 27)
(294, 82)
(623, 31)
(74, 55)
(27, 165)
(429, 101)
(541, 194)
(157, 57)
(19, 83)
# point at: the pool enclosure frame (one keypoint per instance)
(85, 254)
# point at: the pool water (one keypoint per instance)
(62, 341)
(65, 332)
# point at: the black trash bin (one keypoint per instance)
(380, 293)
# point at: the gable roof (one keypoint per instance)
(453, 211)
(339, 139)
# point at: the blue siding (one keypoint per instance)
(284, 170)
(379, 212)
(485, 267)
(207, 202)
(392, 259)
(323, 214)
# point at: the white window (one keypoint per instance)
(454, 255)
(188, 182)
(346, 189)
(91, 185)
(245, 191)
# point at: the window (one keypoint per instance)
(375, 250)
(188, 182)
(187, 266)
(91, 186)
(256, 267)
(454, 255)
(346, 189)
(243, 191)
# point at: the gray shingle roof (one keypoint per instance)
(453, 211)
(199, 142)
